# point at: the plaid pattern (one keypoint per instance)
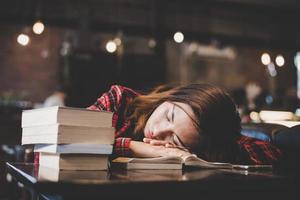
(116, 100)
(259, 151)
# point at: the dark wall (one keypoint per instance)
(93, 72)
(29, 72)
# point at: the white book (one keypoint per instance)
(52, 129)
(57, 175)
(59, 134)
(74, 148)
(66, 116)
(63, 139)
(74, 161)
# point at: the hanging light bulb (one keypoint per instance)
(38, 27)
(23, 39)
(279, 60)
(111, 46)
(178, 37)
(265, 59)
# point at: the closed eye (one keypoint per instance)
(170, 115)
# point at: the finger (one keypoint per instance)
(150, 141)
(146, 140)
(158, 142)
(170, 145)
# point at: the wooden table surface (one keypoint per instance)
(156, 184)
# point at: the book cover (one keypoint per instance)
(74, 148)
(74, 176)
(57, 134)
(74, 161)
(66, 116)
(63, 139)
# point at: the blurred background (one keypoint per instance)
(68, 52)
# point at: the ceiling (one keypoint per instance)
(268, 23)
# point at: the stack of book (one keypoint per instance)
(69, 138)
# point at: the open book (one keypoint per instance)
(173, 162)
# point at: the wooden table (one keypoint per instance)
(155, 184)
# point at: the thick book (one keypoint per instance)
(75, 176)
(66, 116)
(173, 162)
(74, 161)
(58, 133)
(74, 148)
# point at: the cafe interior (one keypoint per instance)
(69, 52)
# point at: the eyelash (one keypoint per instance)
(167, 116)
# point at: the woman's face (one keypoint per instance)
(171, 121)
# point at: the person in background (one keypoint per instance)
(253, 90)
(199, 119)
(239, 97)
(57, 98)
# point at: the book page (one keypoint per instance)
(198, 162)
(164, 160)
(195, 161)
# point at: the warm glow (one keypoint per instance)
(272, 69)
(283, 122)
(265, 58)
(178, 37)
(111, 46)
(297, 64)
(23, 39)
(270, 115)
(297, 61)
(152, 43)
(254, 116)
(279, 60)
(193, 47)
(38, 27)
(118, 41)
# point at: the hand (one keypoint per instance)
(157, 142)
(142, 149)
(167, 144)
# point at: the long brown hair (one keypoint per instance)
(216, 117)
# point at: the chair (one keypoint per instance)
(285, 138)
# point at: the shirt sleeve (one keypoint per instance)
(260, 152)
(109, 101)
(116, 100)
(121, 147)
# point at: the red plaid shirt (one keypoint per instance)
(116, 101)
(118, 97)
